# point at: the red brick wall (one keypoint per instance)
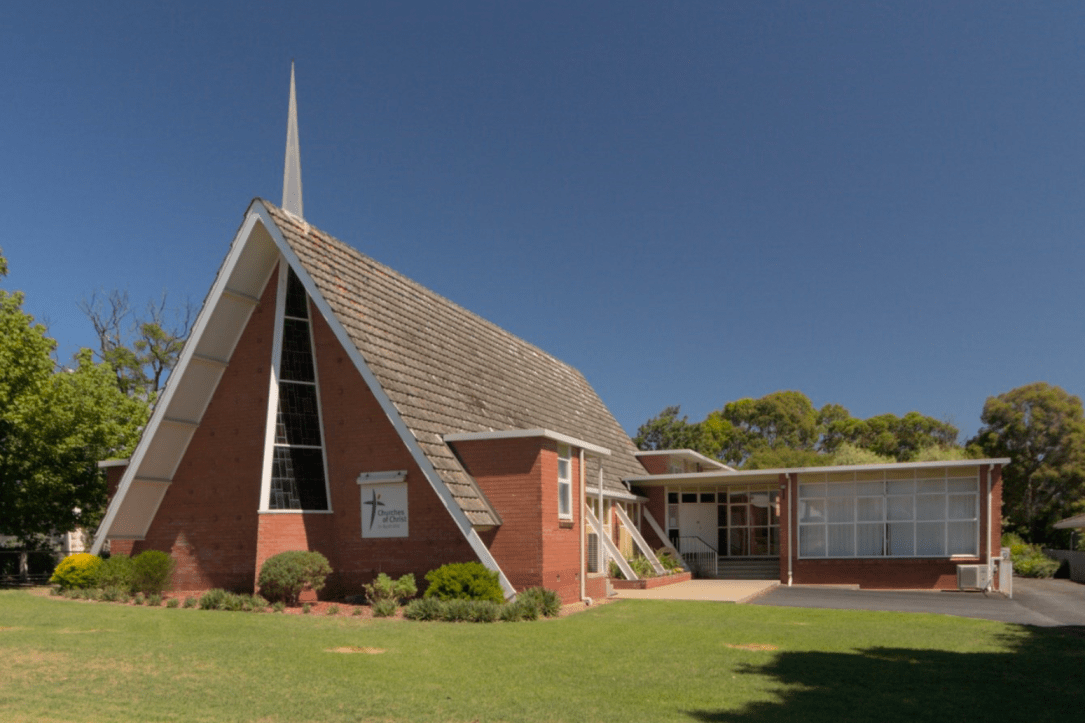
(520, 478)
(209, 519)
(655, 463)
(657, 505)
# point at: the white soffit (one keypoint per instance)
(522, 433)
(222, 319)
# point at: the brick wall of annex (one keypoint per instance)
(520, 478)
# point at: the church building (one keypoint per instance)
(325, 402)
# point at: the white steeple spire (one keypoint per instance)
(292, 170)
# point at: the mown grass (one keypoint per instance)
(62, 660)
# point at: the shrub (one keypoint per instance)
(115, 571)
(547, 602)
(669, 562)
(642, 567)
(426, 608)
(464, 581)
(306, 608)
(614, 571)
(213, 599)
(113, 594)
(284, 576)
(384, 588)
(356, 612)
(1029, 560)
(519, 610)
(456, 610)
(138, 599)
(278, 607)
(152, 572)
(384, 608)
(190, 602)
(77, 571)
(332, 610)
(172, 602)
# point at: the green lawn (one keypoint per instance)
(62, 660)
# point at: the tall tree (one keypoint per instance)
(141, 347)
(1041, 428)
(667, 430)
(55, 424)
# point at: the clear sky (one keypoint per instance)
(877, 204)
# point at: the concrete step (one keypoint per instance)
(747, 569)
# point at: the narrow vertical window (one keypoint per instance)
(297, 469)
(565, 482)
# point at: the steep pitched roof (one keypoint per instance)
(450, 371)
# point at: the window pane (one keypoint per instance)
(901, 538)
(563, 469)
(962, 538)
(811, 490)
(759, 541)
(841, 540)
(738, 515)
(812, 511)
(708, 497)
(812, 540)
(672, 498)
(297, 480)
(739, 497)
(841, 509)
(774, 508)
(962, 507)
(689, 497)
(869, 509)
(740, 542)
(869, 539)
(774, 540)
(298, 421)
(296, 298)
(900, 486)
(870, 488)
(564, 499)
(842, 489)
(297, 355)
(900, 508)
(930, 538)
(968, 484)
(721, 516)
(930, 507)
(759, 514)
(672, 516)
(929, 486)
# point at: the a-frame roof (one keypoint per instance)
(436, 368)
(449, 371)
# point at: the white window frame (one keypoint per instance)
(565, 481)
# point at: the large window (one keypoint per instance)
(933, 514)
(297, 469)
(565, 482)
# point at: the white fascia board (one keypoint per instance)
(158, 415)
(748, 475)
(689, 454)
(522, 433)
(103, 464)
(258, 210)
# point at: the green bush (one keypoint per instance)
(464, 581)
(152, 572)
(356, 612)
(213, 599)
(77, 571)
(1029, 560)
(154, 600)
(138, 599)
(426, 608)
(332, 610)
(519, 610)
(547, 602)
(190, 602)
(113, 594)
(306, 608)
(172, 602)
(284, 576)
(384, 608)
(642, 567)
(278, 607)
(384, 587)
(115, 571)
(669, 562)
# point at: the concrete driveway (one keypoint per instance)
(1044, 603)
(733, 591)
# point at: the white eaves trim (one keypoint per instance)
(721, 476)
(522, 433)
(103, 464)
(688, 454)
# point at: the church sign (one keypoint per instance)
(384, 504)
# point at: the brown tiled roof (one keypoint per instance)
(448, 370)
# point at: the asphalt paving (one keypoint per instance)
(1043, 603)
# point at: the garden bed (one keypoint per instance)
(647, 583)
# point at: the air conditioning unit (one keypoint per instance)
(972, 577)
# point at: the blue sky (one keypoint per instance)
(877, 204)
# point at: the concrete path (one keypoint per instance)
(733, 591)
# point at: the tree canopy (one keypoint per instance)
(784, 429)
(1041, 428)
(55, 425)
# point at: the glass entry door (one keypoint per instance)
(749, 520)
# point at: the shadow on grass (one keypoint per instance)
(1041, 677)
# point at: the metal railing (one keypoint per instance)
(702, 558)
